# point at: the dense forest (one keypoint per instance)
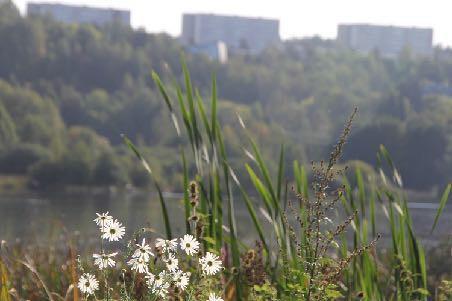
(68, 92)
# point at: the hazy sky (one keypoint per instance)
(298, 18)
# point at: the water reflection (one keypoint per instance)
(42, 216)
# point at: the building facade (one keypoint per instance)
(79, 14)
(240, 34)
(389, 41)
(217, 51)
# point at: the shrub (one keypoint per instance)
(108, 171)
(19, 158)
(47, 174)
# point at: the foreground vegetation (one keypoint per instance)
(316, 233)
(67, 92)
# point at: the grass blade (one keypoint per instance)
(4, 280)
(251, 210)
(164, 211)
(186, 197)
(162, 90)
(129, 143)
(202, 112)
(261, 189)
(280, 172)
(213, 113)
(442, 204)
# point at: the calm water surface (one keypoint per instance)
(42, 216)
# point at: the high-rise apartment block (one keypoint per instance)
(79, 14)
(217, 51)
(240, 34)
(389, 41)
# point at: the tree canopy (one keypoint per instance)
(67, 92)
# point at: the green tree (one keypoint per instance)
(108, 171)
(19, 158)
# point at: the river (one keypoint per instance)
(40, 217)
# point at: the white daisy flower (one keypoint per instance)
(144, 251)
(161, 278)
(161, 290)
(189, 244)
(88, 284)
(166, 245)
(172, 263)
(113, 231)
(103, 219)
(210, 264)
(181, 279)
(104, 260)
(214, 297)
(139, 265)
(150, 278)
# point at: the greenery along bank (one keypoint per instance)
(67, 92)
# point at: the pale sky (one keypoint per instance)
(302, 18)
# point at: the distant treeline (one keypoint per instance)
(67, 92)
